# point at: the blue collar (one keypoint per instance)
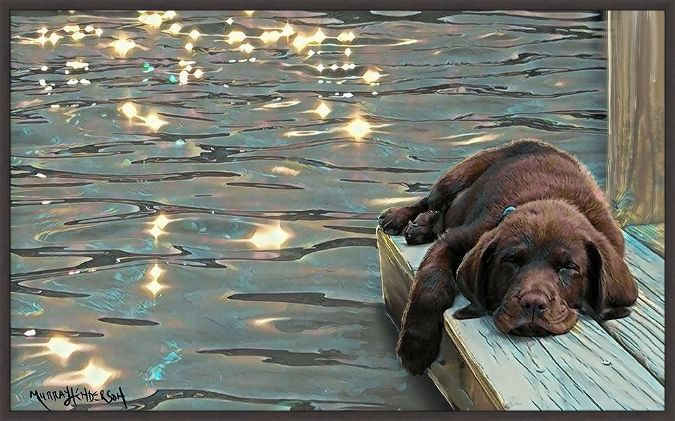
(507, 211)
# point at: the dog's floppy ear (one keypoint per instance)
(472, 276)
(612, 288)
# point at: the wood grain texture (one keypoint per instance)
(643, 333)
(456, 381)
(591, 368)
(635, 154)
(584, 369)
(651, 235)
(448, 372)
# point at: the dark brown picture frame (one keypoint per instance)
(6, 6)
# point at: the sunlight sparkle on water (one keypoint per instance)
(246, 48)
(235, 36)
(283, 104)
(154, 20)
(346, 36)
(194, 34)
(358, 128)
(183, 77)
(285, 171)
(154, 122)
(266, 320)
(371, 76)
(129, 110)
(123, 46)
(151, 121)
(287, 30)
(271, 237)
(54, 38)
(77, 64)
(318, 36)
(174, 28)
(61, 347)
(390, 201)
(77, 36)
(71, 28)
(155, 272)
(154, 286)
(95, 375)
(156, 231)
(161, 221)
(322, 110)
(300, 42)
(269, 37)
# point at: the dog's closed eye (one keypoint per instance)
(516, 259)
(570, 266)
(511, 262)
(567, 271)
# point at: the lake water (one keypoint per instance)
(206, 240)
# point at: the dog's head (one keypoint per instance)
(536, 268)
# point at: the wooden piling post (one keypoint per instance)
(635, 155)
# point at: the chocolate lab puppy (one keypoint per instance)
(525, 234)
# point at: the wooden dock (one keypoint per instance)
(615, 365)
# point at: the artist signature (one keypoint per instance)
(71, 396)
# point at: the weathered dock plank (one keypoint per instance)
(651, 235)
(643, 333)
(480, 368)
(584, 369)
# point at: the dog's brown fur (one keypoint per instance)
(530, 269)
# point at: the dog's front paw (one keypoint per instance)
(394, 220)
(418, 346)
(418, 234)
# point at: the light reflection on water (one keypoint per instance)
(194, 193)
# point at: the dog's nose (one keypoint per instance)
(534, 301)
